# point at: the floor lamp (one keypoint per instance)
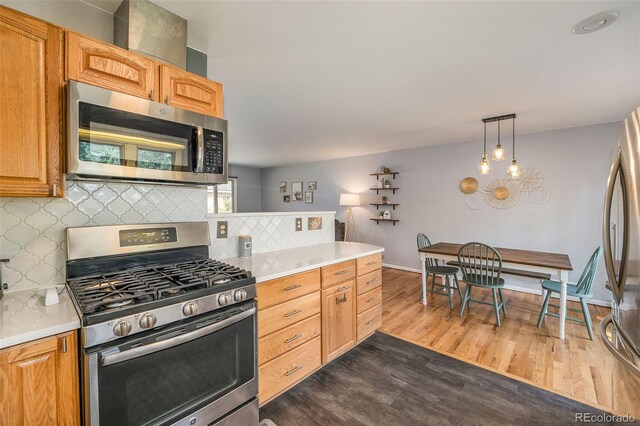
(350, 200)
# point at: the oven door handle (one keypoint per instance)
(173, 341)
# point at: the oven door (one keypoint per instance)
(117, 136)
(191, 373)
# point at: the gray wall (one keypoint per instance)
(575, 164)
(249, 188)
(72, 14)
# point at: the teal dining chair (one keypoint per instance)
(582, 290)
(433, 268)
(481, 266)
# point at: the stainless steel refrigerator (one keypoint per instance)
(621, 330)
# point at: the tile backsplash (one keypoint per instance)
(269, 231)
(32, 229)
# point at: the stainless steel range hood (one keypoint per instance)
(146, 28)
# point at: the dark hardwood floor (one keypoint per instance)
(387, 381)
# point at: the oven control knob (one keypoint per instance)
(224, 299)
(122, 328)
(190, 308)
(240, 295)
(148, 321)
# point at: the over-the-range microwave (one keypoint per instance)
(112, 135)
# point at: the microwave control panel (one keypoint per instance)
(213, 151)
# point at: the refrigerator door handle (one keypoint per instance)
(613, 349)
(617, 281)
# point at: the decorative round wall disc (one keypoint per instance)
(530, 179)
(469, 185)
(501, 194)
(475, 201)
(539, 195)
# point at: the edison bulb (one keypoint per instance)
(514, 170)
(484, 167)
(498, 153)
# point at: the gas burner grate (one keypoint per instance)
(98, 293)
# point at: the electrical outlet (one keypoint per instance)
(223, 228)
(298, 224)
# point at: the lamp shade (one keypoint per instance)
(349, 199)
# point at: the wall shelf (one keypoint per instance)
(384, 189)
(384, 204)
(385, 220)
(377, 175)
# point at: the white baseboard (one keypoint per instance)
(510, 287)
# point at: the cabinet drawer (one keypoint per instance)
(275, 344)
(369, 299)
(369, 263)
(369, 282)
(283, 315)
(369, 321)
(271, 293)
(337, 273)
(284, 371)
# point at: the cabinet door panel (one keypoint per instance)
(338, 320)
(101, 64)
(31, 74)
(41, 382)
(189, 91)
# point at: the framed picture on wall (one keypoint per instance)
(296, 191)
(286, 198)
(308, 197)
(313, 185)
(283, 186)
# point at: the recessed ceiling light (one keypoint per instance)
(595, 22)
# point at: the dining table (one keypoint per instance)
(554, 264)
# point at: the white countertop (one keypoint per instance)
(24, 317)
(276, 264)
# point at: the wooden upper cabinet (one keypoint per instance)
(31, 83)
(39, 382)
(105, 65)
(189, 91)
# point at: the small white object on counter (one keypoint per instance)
(25, 317)
(280, 263)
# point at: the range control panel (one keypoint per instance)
(213, 151)
(138, 237)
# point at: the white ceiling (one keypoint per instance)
(307, 81)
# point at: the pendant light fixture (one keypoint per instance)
(484, 167)
(514, 169)
(498, 152)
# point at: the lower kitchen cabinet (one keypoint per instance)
(308, 319)
(39, 382)
(338, 320)
(280, 374)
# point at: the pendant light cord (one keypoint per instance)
(499, 133)
(485, 139)
(513, 130)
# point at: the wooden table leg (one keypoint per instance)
(423, 259)
(564, 277)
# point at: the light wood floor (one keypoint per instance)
(578, 368)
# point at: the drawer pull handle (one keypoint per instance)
(292, 313)
(375, 280)
(371, 321)
(290, 372)
(371, 299)
(372, 263)
(294, 338)
(344, 288)
(292, 287)
(342, 272)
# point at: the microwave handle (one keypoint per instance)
(173, 341)
(198, 144)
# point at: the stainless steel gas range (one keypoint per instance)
(169, 335)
